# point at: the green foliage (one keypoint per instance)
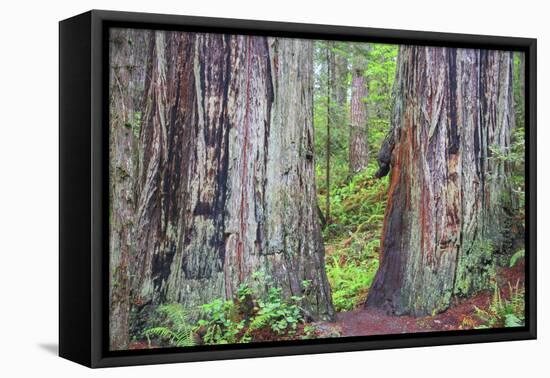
(513, 159)
(281, 316)
(173, 329)
(220, 322)
(309, 332)
(514, 156)
(518, 255)
(352, 236)
(357, 205)
(252, 310)
(380, 74)
(381, 65)
(519, 100)
(350, 281)
(504, 312)
(352, 240)
(136, 125)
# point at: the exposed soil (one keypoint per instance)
(136, 345)
(461, 315)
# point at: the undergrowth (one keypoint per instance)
(254, 314)
(504, 312)
(352, 237)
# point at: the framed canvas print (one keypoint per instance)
(234, 188)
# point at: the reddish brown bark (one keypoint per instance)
(445, 218)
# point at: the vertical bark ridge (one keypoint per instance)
(196, 276)
(149, 178)
(251, 95)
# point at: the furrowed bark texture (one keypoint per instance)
(294, 245)
(151, 153)
(446, 213)
(126, 87)
(225, 184)
(358, 140)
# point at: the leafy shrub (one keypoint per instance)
(220, 323)
(251, 311)
(274, 312)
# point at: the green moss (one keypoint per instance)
(122, 173)
(476, 267)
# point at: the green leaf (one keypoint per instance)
(520, 254)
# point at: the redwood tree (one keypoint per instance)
(448, 197)
(225, 181)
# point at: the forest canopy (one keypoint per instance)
(266, 189)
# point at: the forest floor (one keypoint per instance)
(461, 315)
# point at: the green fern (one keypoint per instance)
(502, 312)
(174, 330)
(516, 257)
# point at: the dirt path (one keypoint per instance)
(461, 314)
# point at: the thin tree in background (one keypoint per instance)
(330, 84)
(358, 131)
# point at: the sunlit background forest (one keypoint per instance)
(190, 260)
(353, 211)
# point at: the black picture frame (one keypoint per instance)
(83, 193)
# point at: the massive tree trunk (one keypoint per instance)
(293, 244)
(126, 79)
(358, 141)
(448, 198)
(226, 183)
